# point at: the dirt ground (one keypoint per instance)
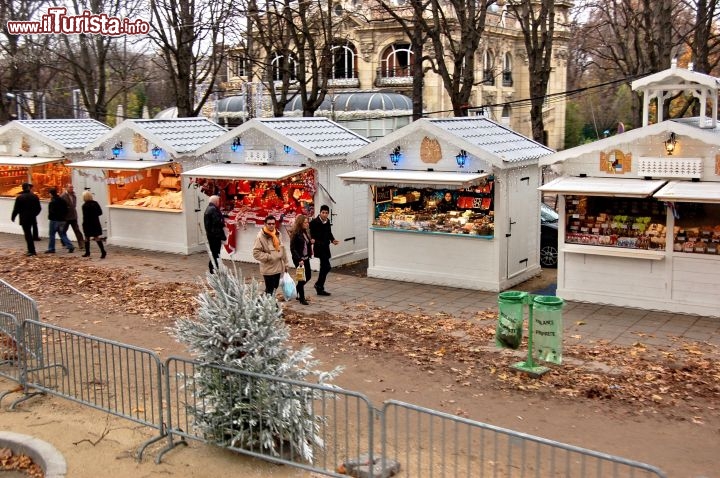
(95, 444)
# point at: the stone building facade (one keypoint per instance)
(370, 56)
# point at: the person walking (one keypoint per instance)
(27, 206)
(321, 232)
(91, 224)
(301, 250)
(71, 217)
(270, 253)
(57, 210)
(214, 230)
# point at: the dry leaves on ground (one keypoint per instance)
(680, 381)
(10, 461)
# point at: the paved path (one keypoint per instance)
(582, 322)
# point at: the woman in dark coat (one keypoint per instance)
(91, 224)
(301, 250)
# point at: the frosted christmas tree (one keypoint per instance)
(240, 327)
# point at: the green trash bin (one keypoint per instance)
(547, 328)
(511, 305)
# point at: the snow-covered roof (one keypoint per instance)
(479, 136)
(66, 135)
(178, 136)
(315, 138)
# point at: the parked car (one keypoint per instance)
(548, 236)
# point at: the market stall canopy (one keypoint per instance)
(402, 178)
(245, 171)
(602, 186)
(689, 191)
(119, 164)
(26, 161)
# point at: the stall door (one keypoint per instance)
(521, 212)
(343, 201)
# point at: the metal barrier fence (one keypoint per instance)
(15, 344)
(432, 444)
(16, 303)
(9, 353)
(119, 379)
(340, 420)
(128, 382)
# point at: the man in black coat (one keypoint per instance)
(214, 230)
(57, 211)
(321, 232)
(27, 206)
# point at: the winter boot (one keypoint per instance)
(102, 250)
(87, 249)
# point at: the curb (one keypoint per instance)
(42, 453)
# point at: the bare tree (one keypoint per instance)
(291, 44)
(22, 58)
(537, 22)
(630, 38)
(191, 38)
(706, 38)
(412, 23)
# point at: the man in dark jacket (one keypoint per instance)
(71, 219)
(321, 232)
(214, 230)
(57, 211)
(27, 206)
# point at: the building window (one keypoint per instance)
(344, 58)
(505, 118)
(238, 66)
(488, 70)
(279, 65)
(396, 61)
(507, 70)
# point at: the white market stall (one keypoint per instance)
(283, 167)
(38, 151)
(640, 211)
(488, 240)
(148, 207)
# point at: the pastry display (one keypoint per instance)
(468, 211)
(156, 188)
(43, 177)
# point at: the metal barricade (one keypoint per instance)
(21, 307)
(342, 420)
(9, 353)
(119, 379)
(434, 444)
(14, 302)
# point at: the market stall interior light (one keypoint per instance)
(156, 152)
(670, 144)
(461, 158)
(117, 149)
(395, 156)
(236, 145)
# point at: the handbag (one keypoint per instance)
(300, 273)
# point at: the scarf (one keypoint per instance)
(275, 238)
